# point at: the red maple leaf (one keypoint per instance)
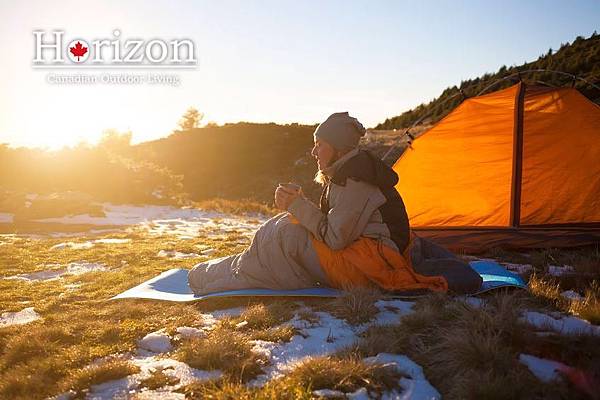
(79, 50)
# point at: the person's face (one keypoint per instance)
(323, 152)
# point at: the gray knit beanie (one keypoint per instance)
(341, 131)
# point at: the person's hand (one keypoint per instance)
(285, 195)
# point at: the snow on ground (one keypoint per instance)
(6, 218)
(184, 223)
(125, 387)
(130, 215)
(328, 393)
(571, 295)
(390, 312)
(565, 325)
(518, 268)
(556, 270)
(24, 316)
(219, 227)
(228, 312)
(320, 338)
(82, 267)
(73, 268)
(545, 370)
(325, 337)
(156, 342)
(150, 358)
(88, 244)
(72, 245)
(176, 254)
(112, 241)
(417, 387)
(190, 332)
(474, 302)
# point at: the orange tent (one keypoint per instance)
(519, 167)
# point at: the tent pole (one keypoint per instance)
(517, 167)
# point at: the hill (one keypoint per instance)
(235, 161)
(243, 160)
(580, 58)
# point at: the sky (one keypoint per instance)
(267, 61)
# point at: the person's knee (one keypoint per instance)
(293, 234)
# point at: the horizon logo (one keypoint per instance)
(50, 51)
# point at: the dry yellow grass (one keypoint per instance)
(223, 349)
(80, 326)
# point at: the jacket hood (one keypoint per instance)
(367, 167)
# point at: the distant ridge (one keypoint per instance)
(580, 58)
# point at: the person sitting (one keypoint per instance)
(358, 236)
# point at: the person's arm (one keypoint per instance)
(353, 205)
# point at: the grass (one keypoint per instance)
(347, 374)
(223, 349)
(356, 305)
(82, 325)
(157, 380)
(109, 370)
(548, 291)
(263, 316)
(469, 352)
(466, 352)
(228, 390)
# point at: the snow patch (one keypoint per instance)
(360, 394)
(74, 268)
(328, 393)
(126, 387)
(571, 295)
(390, 312)
(556, 270)
(112, 241)
(208, 321)
(325, 337)
(565, 325)
(159, 394)
(176, 254)
(156, 342)
(545, 370)
(185, 223)
(416, 387)
(45, 275)
(83, 267)
(189, 332)
(22, 317)
(72, 245)
(88, 244)
(475, 302)
(518, 268)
